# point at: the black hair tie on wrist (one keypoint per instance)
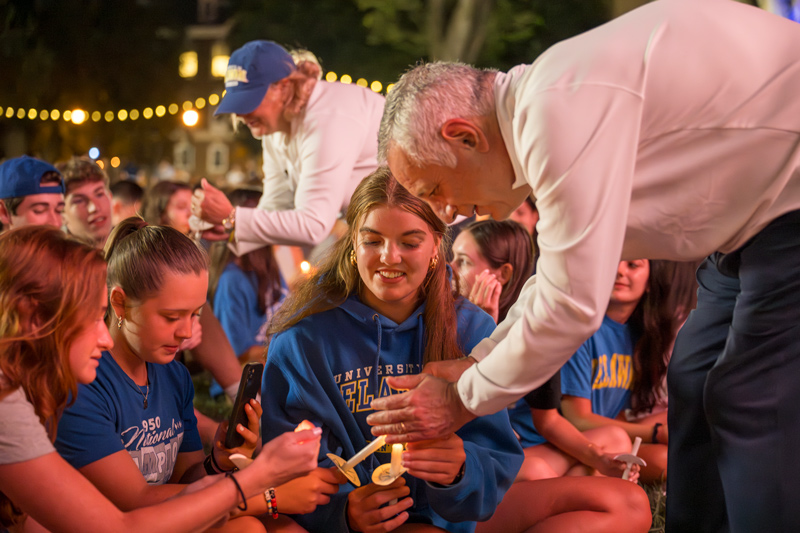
(654, 439)
(242, 507)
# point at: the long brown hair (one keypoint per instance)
(337, 279)
(261, 261)
(501, 242)
(668, 298)
(50, 286)
(50, 290)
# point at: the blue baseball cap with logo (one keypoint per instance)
(22, 176)
(251, 70)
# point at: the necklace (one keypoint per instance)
(147, 393)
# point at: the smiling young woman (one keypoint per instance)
(382, 304)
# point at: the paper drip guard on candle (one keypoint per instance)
(631, 458)
(388, 472)
(348, 467)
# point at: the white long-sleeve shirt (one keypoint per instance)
(669, 133)
(310, 174)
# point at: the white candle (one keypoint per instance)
(367, 451)
(634, 451)
(397, 457)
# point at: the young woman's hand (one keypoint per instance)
(608, 466)
(302, 495)
(436, 461)
(485, 293)
(366, 511)
(288, 456)
(250, 433)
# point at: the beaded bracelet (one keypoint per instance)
(242, 507)
(272, 502)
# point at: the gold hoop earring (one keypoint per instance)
(119, 322)
(433, 263)
(353, 258)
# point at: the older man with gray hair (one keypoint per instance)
(671, 132)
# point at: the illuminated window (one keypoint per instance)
(188, 65)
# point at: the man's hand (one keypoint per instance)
(210, 204)
(449, 370)
(431, 410)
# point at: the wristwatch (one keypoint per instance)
(229, 222)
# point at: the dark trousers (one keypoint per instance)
(734, 392)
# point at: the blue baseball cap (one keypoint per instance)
(22, 176)
(251, 70)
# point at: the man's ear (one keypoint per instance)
(465, 134)
(504, 273)
(117, 299)
(5, 216)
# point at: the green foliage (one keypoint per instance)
(332, 29)
(517, 31)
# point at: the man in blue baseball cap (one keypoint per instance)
(31, 192)
(319, 140)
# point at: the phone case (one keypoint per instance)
(249, 386)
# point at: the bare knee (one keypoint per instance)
(610, 438)
(635, 508)
(534, 468)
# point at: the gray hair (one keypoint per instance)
(424, 99)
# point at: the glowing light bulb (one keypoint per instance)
(78, 116)
(190, 117)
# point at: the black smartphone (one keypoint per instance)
(249, 386)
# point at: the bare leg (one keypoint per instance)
(655, 455)
(546, 461)
(571, 505)
(282, 524)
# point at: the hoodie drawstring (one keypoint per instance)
(376, 318)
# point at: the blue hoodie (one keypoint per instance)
(327, 368)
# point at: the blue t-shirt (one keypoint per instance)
(108, 416)
(547, 396)
(236, 308)
(602, 369)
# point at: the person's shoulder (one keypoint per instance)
(311, 328)
(470, 314)
(333, 95)
(233, 276)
